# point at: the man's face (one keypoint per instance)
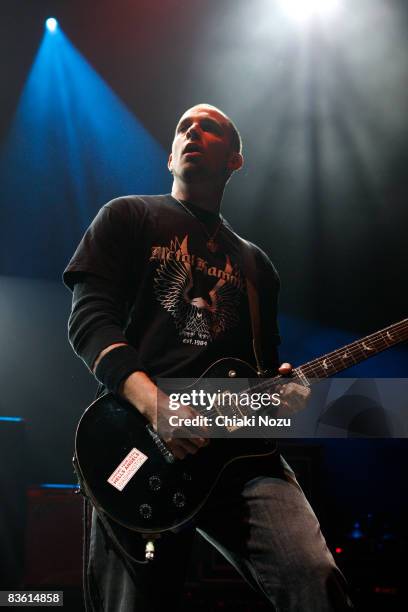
(202, 147)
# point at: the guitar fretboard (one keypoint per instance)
(353, 353)
(328, 364)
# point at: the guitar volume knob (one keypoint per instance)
(155, 483)
(179, 499)
(146, 511)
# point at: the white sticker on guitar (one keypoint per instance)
(127, 469)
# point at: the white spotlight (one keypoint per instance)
(51, 24)
(302, 10)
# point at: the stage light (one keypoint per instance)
(303, 10)
(356, 533)
(51, 24)
(59, 486)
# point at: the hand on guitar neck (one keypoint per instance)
(293, 396)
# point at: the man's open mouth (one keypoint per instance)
(192, 148)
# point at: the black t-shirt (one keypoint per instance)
(182, 307)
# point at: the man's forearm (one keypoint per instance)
(141, 392)
(137, 388)
(105, 352)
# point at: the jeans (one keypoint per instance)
(257, 517)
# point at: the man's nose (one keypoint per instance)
(193, 132)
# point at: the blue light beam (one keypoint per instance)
(72, 146)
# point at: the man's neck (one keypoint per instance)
(199, 195)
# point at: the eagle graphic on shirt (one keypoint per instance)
(202, 299)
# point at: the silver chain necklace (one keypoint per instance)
(211, 245)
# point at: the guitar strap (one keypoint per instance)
(251, 280)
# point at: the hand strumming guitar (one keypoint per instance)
(153, 404)
(140, 391)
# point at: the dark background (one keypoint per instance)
(323, 113)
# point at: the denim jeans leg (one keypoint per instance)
(266, 528)
(116, 584)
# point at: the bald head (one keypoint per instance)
(236, 141)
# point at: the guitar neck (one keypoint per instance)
(353, 353)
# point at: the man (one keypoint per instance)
(159, 291)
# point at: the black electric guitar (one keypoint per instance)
(126, 470)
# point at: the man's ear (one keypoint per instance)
(235, 162)
(169, 162)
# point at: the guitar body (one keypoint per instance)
(127, 471)
(163, 493)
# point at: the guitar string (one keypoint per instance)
(378, 342)
(376, 338)
(355, 349)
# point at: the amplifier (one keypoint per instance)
(13, 461)
(53, 553)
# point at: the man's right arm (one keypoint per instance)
(96, 333)
(138, 389)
